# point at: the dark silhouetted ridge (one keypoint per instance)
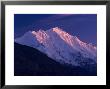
(31, 62)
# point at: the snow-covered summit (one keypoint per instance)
(60, 46)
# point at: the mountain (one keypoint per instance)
(29, 61)
(61, 47)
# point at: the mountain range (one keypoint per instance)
(67, 54)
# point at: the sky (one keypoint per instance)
(84, 26)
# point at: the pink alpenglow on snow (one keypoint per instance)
(59, 45)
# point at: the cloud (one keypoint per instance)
(53, 18)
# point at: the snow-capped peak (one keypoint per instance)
(59, 45)
(63, 35)
(40, 35)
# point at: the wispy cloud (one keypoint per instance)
(53, 18)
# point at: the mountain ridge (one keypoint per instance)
(29, 61)
(59, 45)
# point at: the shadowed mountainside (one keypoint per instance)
(31, 62)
